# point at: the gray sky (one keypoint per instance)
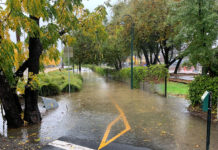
(92, 4)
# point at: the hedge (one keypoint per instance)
(199, 86)
(140, 73)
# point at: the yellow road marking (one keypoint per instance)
(126, 123)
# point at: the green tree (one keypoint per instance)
(154, 34)
(198, 28)
(89, 35)
(114, 49)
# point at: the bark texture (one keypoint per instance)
(10, 103)
(31, 113)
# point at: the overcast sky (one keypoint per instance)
(92, 4)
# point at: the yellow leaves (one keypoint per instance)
(37, 140)
(21, 87)
(33, 134)
(70, 40)
(11, 137)
(47, 138)
(25, 123)
(14, 5)
(159, 124)
(34, 82)
(50, 57)
(163, 133)
(35, 7)
(23, 143)
(19, 55)
(145, 140)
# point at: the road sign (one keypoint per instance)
(68, 51)
(205, 100)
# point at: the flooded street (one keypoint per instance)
(156, 122)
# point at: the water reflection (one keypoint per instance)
(156, 122)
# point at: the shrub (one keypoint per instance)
(49, 90)
(75, 85)
(199, 86)
(54, 82)
(140, 73)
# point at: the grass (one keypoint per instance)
(175, 88)
(55, 82)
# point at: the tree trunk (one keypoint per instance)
(177, 65)
(146, 57)
(80, 67)
(116, 66)
(120, 63)
(31, 113)
(204, 70)
(10, 103)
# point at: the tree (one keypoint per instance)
(89, 35)
(114, 49)
(154, 34)
(198, 29)
(27, 15)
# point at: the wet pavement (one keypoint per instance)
(102, 111)
(184, 77)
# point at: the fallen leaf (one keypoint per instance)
(159, 124)
(146, 140)
(197, 146)
(33, 134)
(37, 140)
(47, 138)
(163, 132)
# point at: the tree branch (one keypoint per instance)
(23, 67)
(62, 32)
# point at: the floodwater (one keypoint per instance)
(156, 122)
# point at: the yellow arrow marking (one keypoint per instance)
(127, 128)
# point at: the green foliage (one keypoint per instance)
(175, 88)
(7, 59)
(187, 64)
(197, 26)
(199, 86)
(88, 36)
(100, 70)
(55, 82)
(49, 90)
(114, 48)
(153, 73)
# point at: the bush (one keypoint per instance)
(49, 90)
(199, 86)
(100, 70)
(75, 85)
(55, 82)
(140, 73)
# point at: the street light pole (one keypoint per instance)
(69, 68)
(132, 39)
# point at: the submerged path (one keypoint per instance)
(108, 115)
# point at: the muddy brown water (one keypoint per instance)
(156, 122)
